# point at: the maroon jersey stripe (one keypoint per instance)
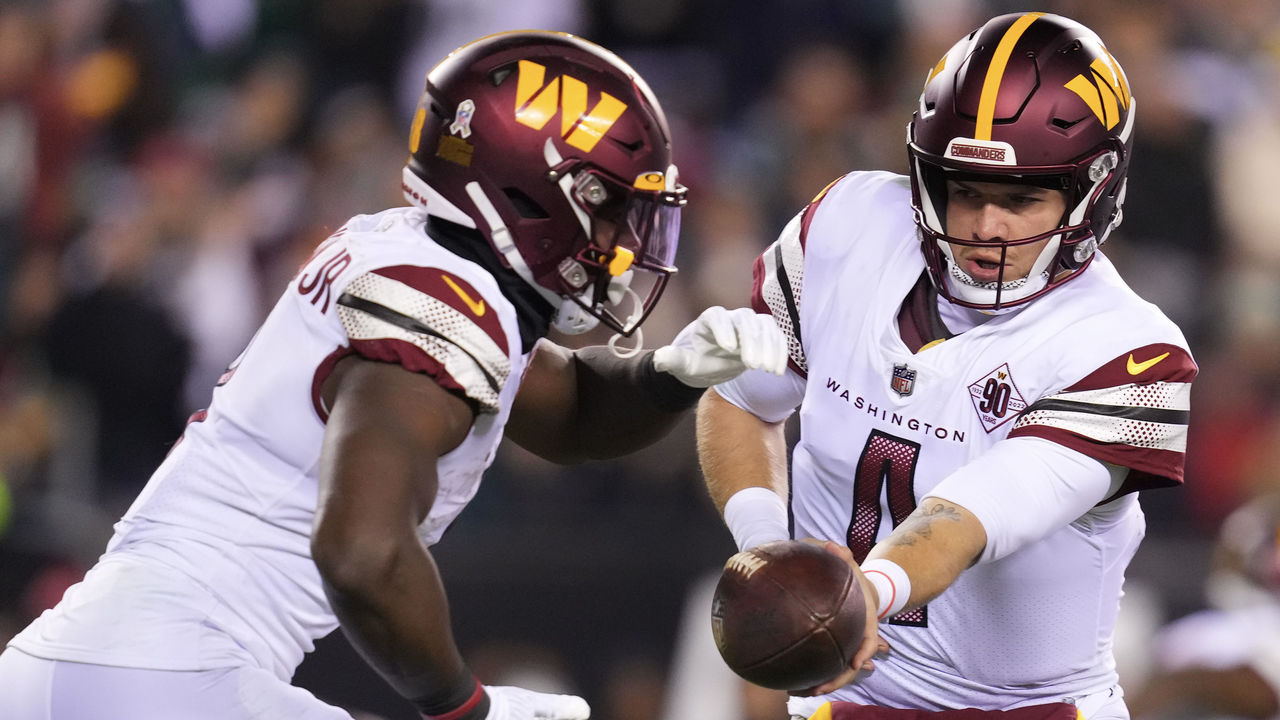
(1159, 362)
(1050, 711)
(1149, 468)
(757, 287)
(454, 292)
(402, 353)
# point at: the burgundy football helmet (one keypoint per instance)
(1028, 98)
(559, 154)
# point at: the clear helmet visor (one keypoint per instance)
(636, 232)
(656, 223)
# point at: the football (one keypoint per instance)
(787, 615)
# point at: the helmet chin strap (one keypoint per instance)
(637, 305)
(570, 318)
(573, 319)
(964, 287)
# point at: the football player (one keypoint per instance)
(1223, 661)
(356, 424)
(979, 392)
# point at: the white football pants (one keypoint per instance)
(33, 688)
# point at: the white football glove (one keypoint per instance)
(513, 703)
(720, 344)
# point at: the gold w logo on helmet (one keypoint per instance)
(536, 104)
(1104, 90)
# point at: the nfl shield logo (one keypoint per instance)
(903, 381)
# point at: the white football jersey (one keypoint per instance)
(1090, 366)
(211, 566)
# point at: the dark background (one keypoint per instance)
(166, 164)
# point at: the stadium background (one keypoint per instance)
(165, 164)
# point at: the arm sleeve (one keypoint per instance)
(1024, 488)
(767, 396)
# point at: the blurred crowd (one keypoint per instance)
(165, 165)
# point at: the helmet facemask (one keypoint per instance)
(1069, 248)
(618, 277)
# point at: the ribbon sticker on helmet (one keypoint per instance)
(536, 104)
(454, 149)
(461, 124)
(1103, 91)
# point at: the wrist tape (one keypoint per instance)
(755, 516)
(664, 389)
(891, 583)
(474, 705)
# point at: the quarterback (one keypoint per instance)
(979, 393)
(356, 424)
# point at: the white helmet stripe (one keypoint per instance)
(418, 192)
(565, 182)
(502, 240)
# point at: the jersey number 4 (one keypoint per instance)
(886, 467)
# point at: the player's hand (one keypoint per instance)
(720, 344)
(513, 703)
(872, 643)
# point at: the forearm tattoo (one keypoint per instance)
(919, 524)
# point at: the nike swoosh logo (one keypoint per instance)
(477, 306)
(1137, 368)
